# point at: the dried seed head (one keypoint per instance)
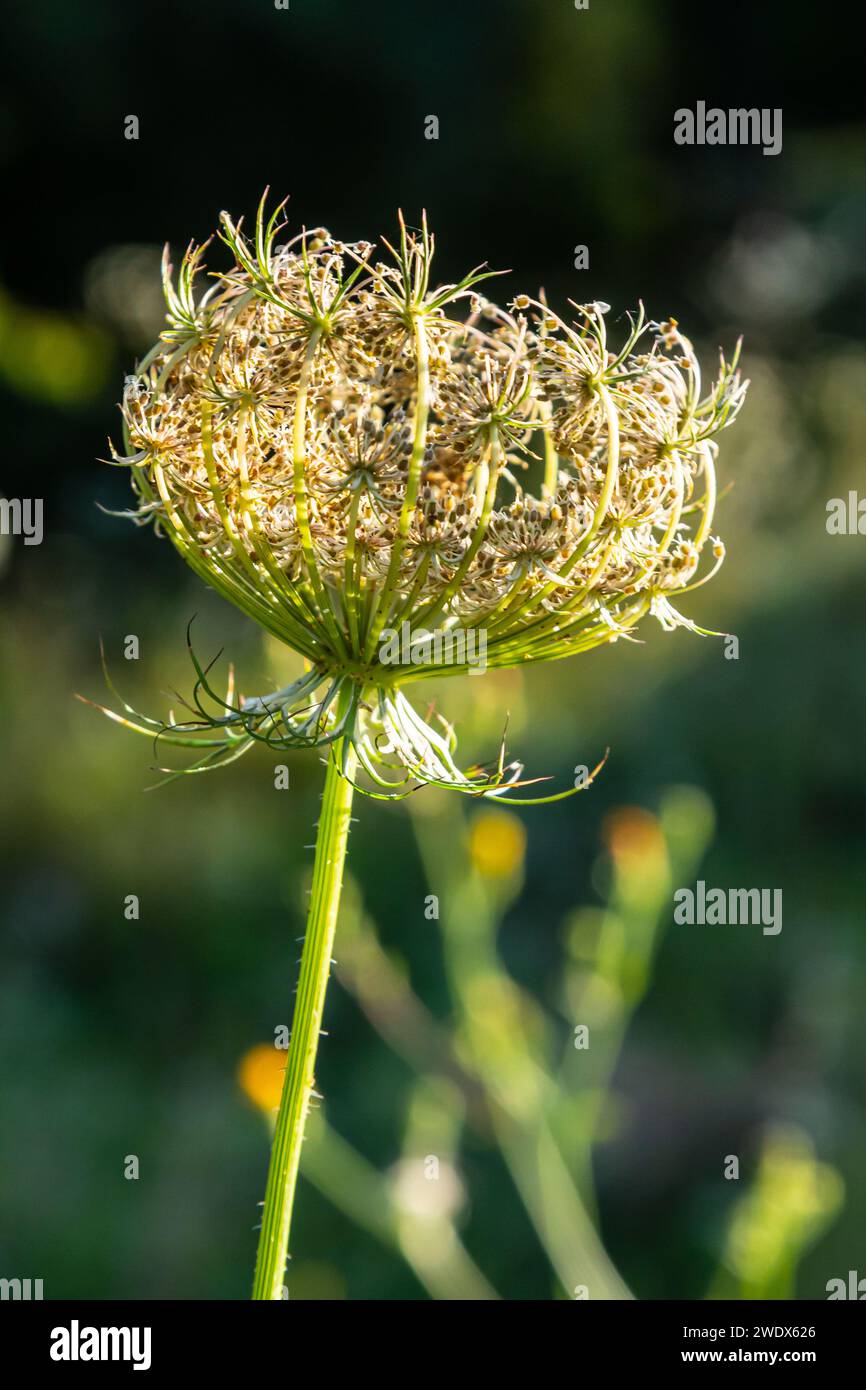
(335, 449)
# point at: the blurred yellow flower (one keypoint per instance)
(497, 844)
(260, 1075)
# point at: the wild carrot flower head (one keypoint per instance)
(351, 454)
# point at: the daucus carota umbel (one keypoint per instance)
(339, 447)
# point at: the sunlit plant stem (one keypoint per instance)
(331, 838)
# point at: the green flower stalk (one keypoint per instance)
(339, 448)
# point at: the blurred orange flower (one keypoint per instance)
(260, 1075)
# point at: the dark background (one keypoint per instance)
(556, 129)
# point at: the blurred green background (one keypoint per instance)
(449, 1039)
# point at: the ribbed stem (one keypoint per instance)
(333, 832)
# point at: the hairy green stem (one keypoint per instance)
(331, 838)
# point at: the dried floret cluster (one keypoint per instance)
(340, 448)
